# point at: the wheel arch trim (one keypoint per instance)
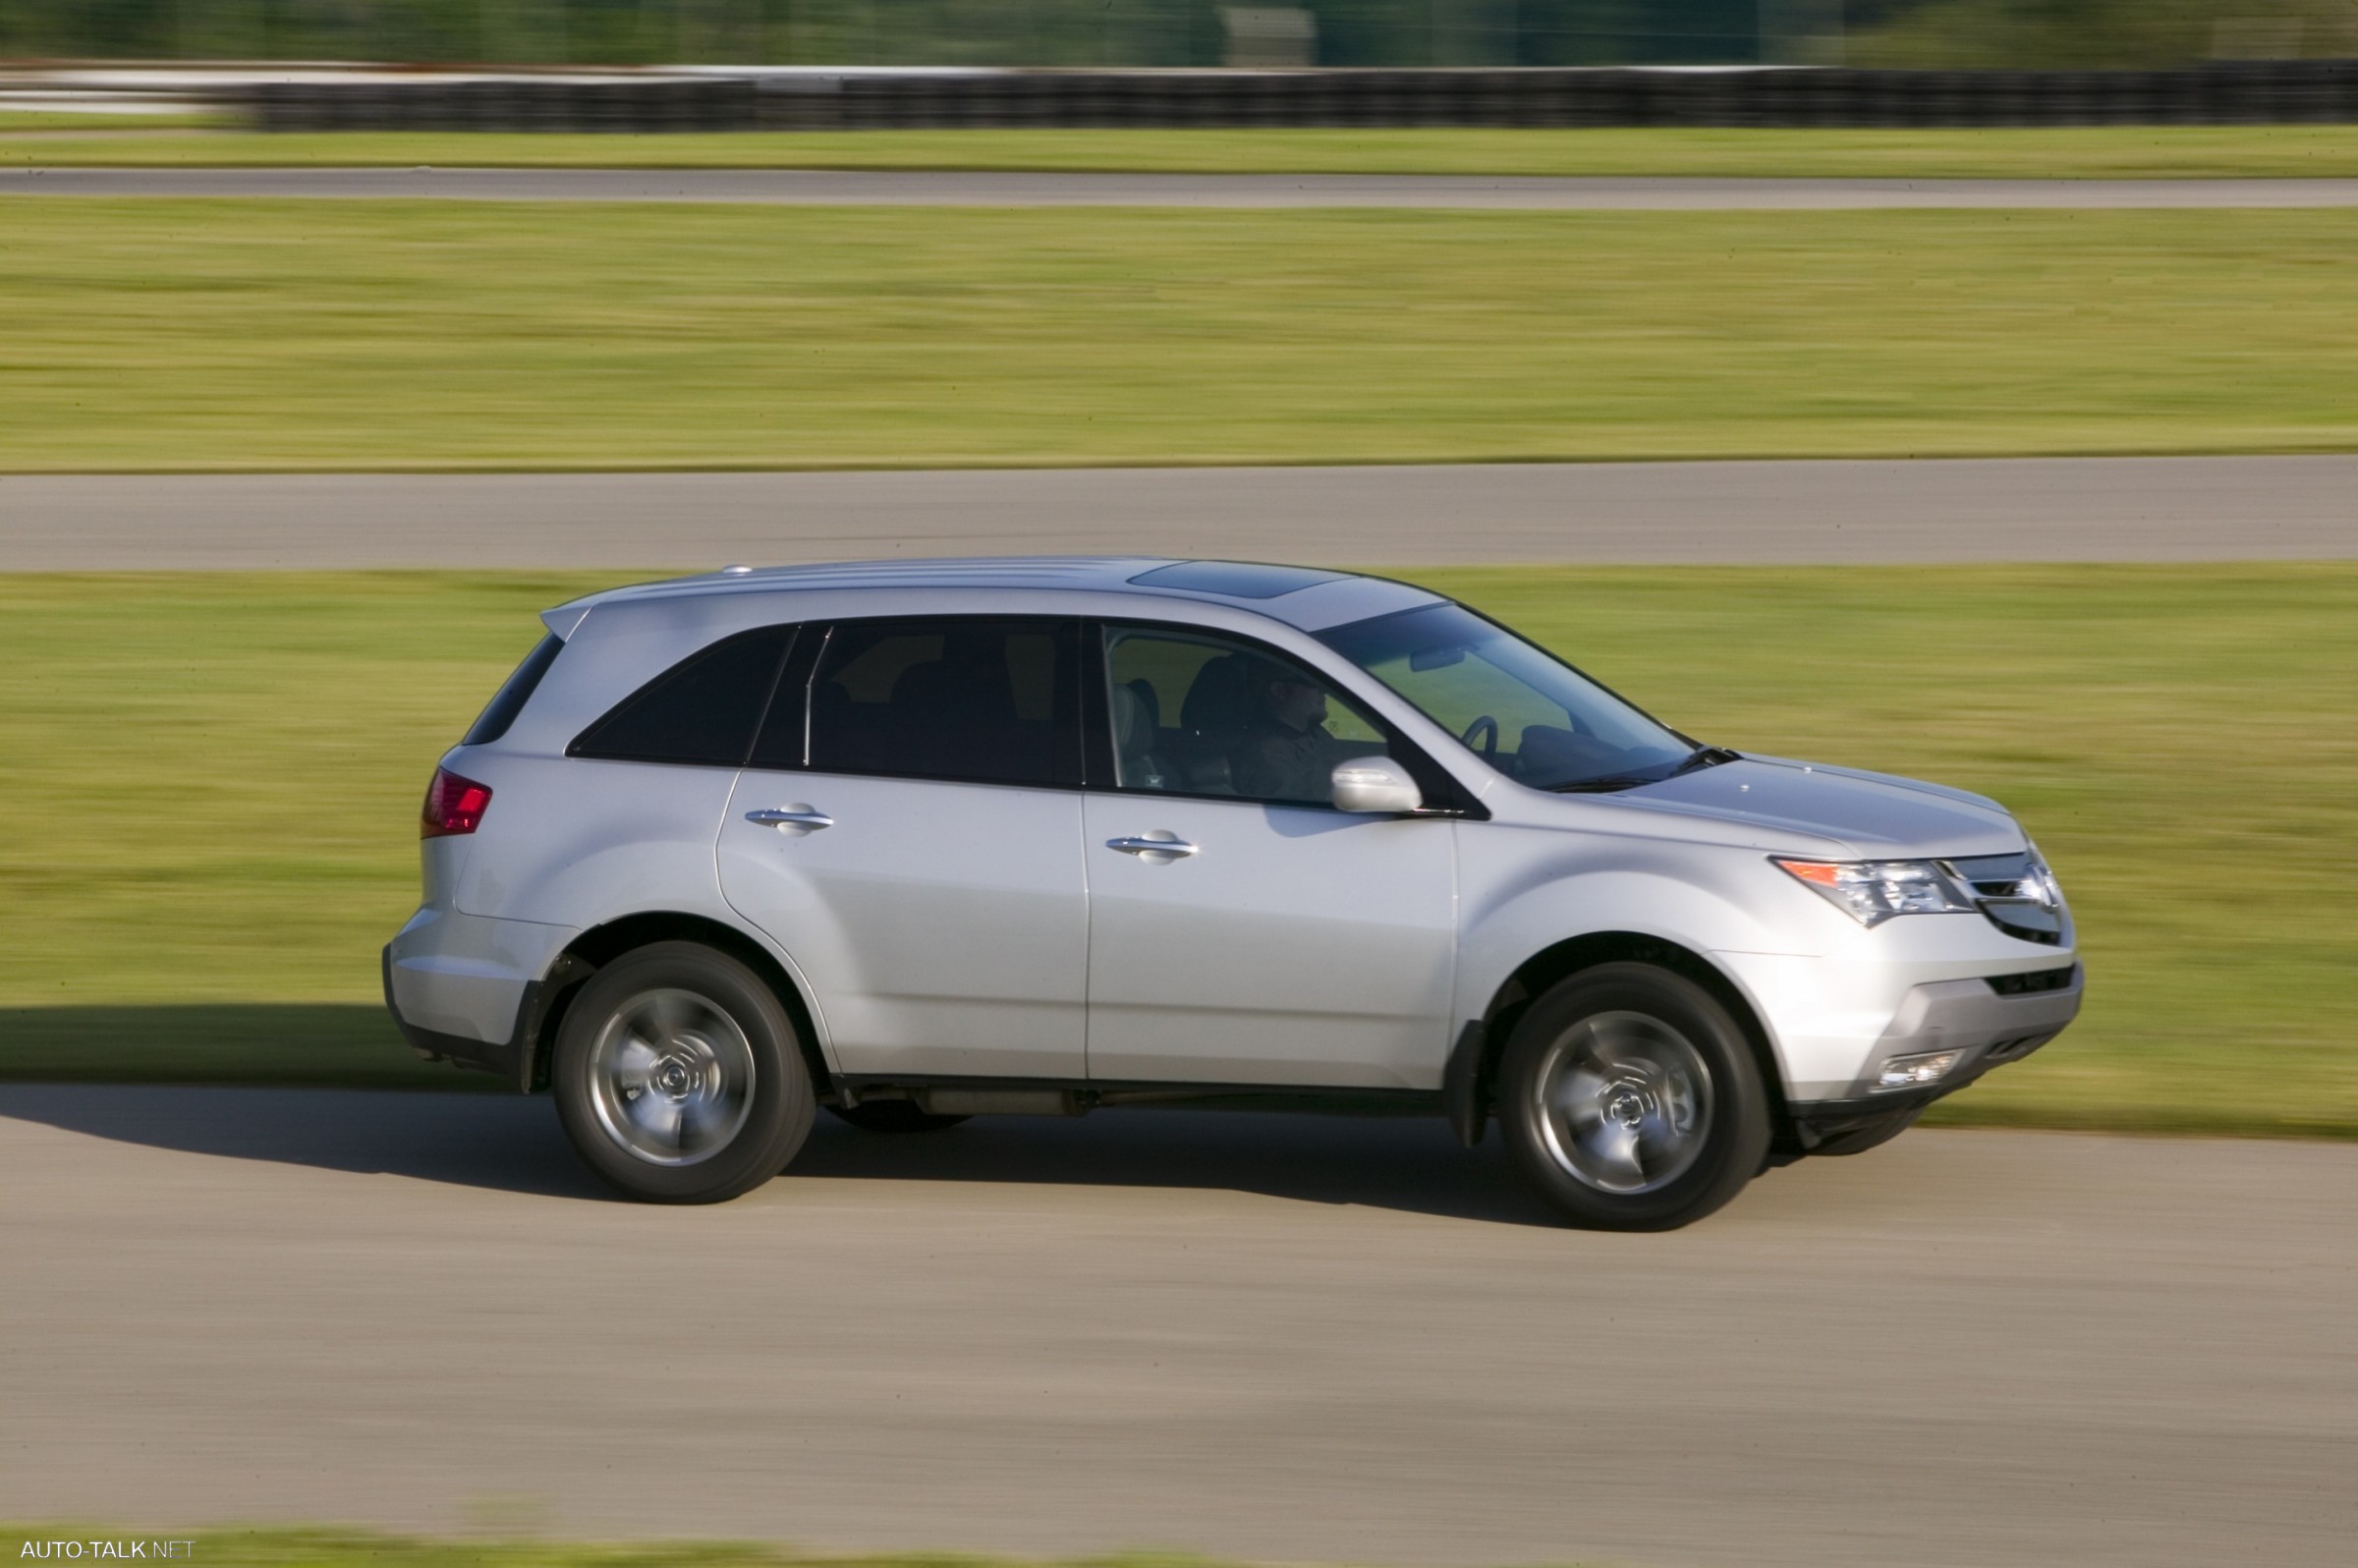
(601, 944)
(1481, 1046)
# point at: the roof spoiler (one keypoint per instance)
(563, 621)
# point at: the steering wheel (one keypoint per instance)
(1488, 728)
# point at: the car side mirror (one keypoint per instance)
(1376, 784)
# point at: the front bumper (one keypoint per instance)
(1992, 1021)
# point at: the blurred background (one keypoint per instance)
(1943, 33)
(185, 315)
(1966, 390)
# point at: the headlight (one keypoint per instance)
(1873, 891)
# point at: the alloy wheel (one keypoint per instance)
(671, 1076)
(1624, 1102)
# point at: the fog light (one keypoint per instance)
(1912, 1072)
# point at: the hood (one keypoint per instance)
(1878, 815)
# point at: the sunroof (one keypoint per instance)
(1236, 580)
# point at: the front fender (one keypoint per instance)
(1523, 891)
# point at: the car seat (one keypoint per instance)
(955, 716)
(1213, 722)
(1139, 763)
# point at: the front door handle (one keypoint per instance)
(794, 818)
(1156, 848)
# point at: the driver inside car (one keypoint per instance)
(1286, 751)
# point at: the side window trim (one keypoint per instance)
(1070, 630)
(793, 685)
(1450, 798)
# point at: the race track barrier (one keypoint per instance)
(2269, 92)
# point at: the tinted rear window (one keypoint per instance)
(995, 701)
(510, 698)
(701, 710)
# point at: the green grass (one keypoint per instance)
(194, 334)
(213, 781)
(2083, 152)
(11, 120)
(279, 1044)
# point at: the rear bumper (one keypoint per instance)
(468, 990)
(506, 1057)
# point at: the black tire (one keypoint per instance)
(893, 1116)
(1658, 1115)
(712, 1052)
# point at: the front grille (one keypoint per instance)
(1994, 874)
(2044, 980)
(2013, 894)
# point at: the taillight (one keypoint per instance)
(453, 805)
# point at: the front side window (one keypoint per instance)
(1200, 715)
(701, 710)
(1519, 709)
(985, 700)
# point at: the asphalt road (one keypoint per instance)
(2058, 509)
(1281, 1338)
(922, 188)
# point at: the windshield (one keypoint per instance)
(1522, 710)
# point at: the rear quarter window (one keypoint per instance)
(509, 702)
(703, 711)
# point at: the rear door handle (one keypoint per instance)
(796, 819)
(1158, 846)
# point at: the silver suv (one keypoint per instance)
(918, 841)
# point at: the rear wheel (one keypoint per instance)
(893, 1116)
(679, 1077)
(1630, 1099)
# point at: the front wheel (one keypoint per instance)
(679, 1078)
(1630, 1099)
